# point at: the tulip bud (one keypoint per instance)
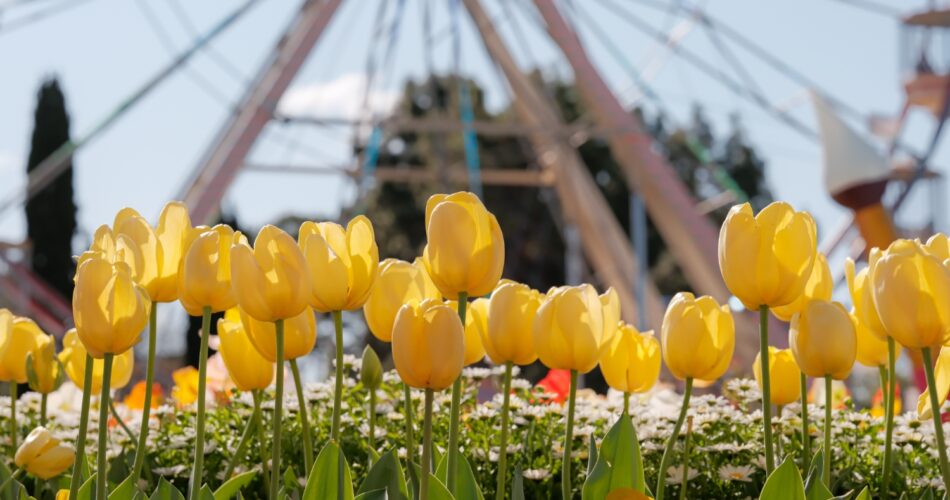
(823, 341)
(43, 371)
(342, 264)
(73, 358)
(271, 281)
(371, 373)
(43, 455)
(862, 298)
(398, 283)
(767, 259)
(205, 277)
(300, 335)
(248, 369)
(871, 351)
(476, 321)
(784, 376)
(509, 337)
(465, 250)
(109, 308)
(911, 290)
(631, 362)
(573, 326)
(18, 337)
(698, 337)
(428, 345)
(820, 284)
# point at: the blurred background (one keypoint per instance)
(610, 137)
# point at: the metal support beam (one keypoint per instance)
(604, 241)
(514, 177)
(204, 191)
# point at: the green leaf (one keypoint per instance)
(466, 486)
(290, 480)
(205, 493)
(324, 480)
(437, 490)
(386, 475)
(125, 490)
(373, 495)
(785, 483)
(864, 495)
(928, 494)
(816, 489)
(517, 484)
(88, 489)
(232, 486)
(591, 456)
(5, 473)
(618, 465)
(166, 491)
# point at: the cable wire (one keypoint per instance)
(39, 15)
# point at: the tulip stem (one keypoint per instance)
(142, 449)
(806, 437)
(338, 393)
(426, 447)
(278, 409)
(889, 409)
(13, 426)
(501, 486)
(937, 415)
(671, 441)
(411, 448)
(15, 474)
(103, 462)
(304, 417)
(245, 437)
(455, 411)
(566, 490)
(826, 462)
(685, 481)
(766, 387)
(626, 403)
(779, 452)
(76, 480)
(258, 397)
(372, 423)
(43, 398)
(198, 471)
(118, 420)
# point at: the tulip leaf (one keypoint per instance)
(373, 495)
(166, 491)
(437, 490)
(785, 483)
(864, 495)
(466, 486)
(4, 475)
(205, 493)
(591, 456)
(126, 489)
(232, 486)
(386, 475)
(618, 464)
(88, 489)
(290, 480)
(517, 485)
(324, 480)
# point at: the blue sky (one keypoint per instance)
(103, 49)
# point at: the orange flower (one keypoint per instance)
(136, 398)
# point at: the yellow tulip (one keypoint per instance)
(573, 326)
(784, 376)
(271, 281)
(44, 373)
(142, 236)
(397, 284)
(942, 380)
(871, 351)
(18, 337)
(698, 337)
(911, 290)
(476, 321)
(862, 296)
(109, 308)
(939, 246)
(248, 369)
(113, 248)
(428, 345)
(185, 391)
(205, 277)
(465, 251)
(73, 357)
(509, 337)
(631, 362)
(43, 455)
(342, 264)
(819, 286)
(300, 335)
(823, 340)
(767, 259)
(175, 234)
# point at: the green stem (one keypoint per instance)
(410, 435)
(43, 398)
(766, 387)
(102, 463)
(426, 448)
(889, 408)
(566, 490)
(685, 481)
(197, 472)
(245, 438)
(76, 480)
(13, 426)
(806, 437)
(142, 449)
(937, 415)
(626, 403)
(304, 417)
(260, 439)
(503, 448)
(338, 393)
(278, 410)
(778, 434)
(671, 441)
(372, 423)
(118, 420)
(455, 411)
(10, 479)
(826, 462)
